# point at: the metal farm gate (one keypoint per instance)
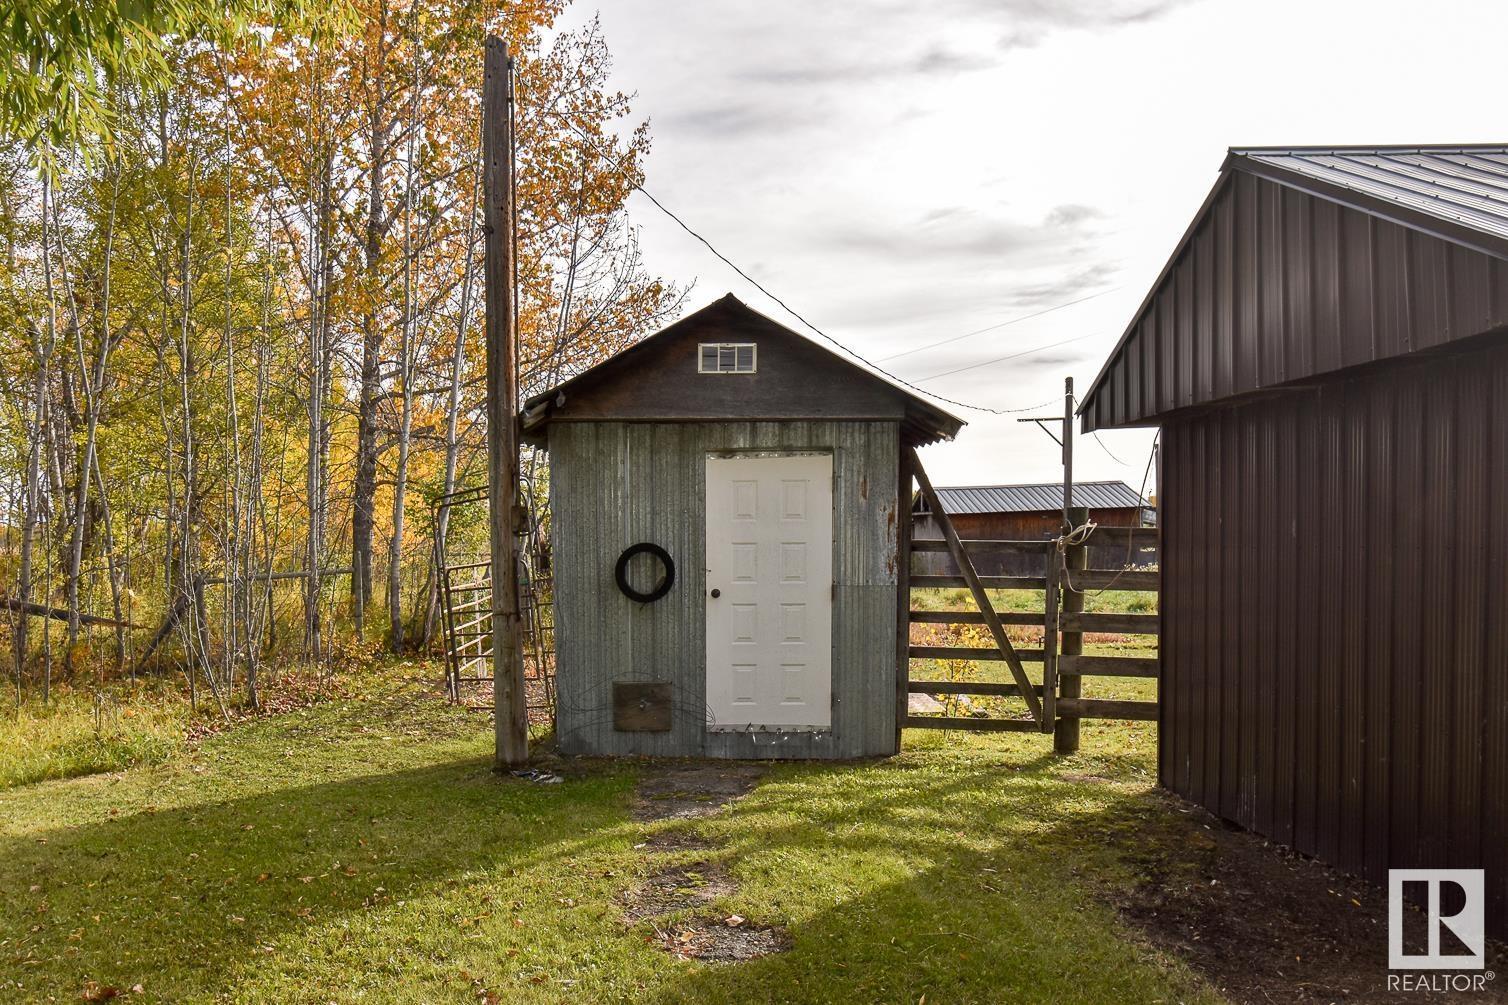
(465, 579)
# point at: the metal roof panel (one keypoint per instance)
(1040, 497)
(1466, 186)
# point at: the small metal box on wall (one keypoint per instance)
(728, 508)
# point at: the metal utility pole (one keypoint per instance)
(509, 699)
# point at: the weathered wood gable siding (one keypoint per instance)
(613, 484)
(794, 379)
(1275, 285)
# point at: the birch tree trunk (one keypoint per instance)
(405, 366)
(94, 386)
(453, 403)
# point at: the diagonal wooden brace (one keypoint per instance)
(966, 567)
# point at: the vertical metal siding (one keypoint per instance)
(1304, 287)
(613, 484)
(1335, 667)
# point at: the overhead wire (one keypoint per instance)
(1009, 356)
(1002, 324)
(617, 164)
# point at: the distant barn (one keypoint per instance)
(1327, 355)
(1025, 513)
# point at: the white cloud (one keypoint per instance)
(903, 173)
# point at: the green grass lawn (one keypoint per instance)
(362, 850)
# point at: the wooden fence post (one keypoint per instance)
(1065, 733)
(1051, 594)
(903, 597)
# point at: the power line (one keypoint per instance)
(639, 187)
(1002, 324)
(1014, 355)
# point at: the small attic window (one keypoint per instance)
(726, 357)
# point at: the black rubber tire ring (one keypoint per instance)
(621, 573)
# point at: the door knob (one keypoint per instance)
(716, 594)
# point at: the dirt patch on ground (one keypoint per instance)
(1260, 923)
(672, 792)
(724, 940)
(675, 840)
(682, 792)
(676, 888)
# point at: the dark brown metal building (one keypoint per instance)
(1026, 513)
(1327, 355)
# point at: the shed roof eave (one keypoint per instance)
(1246, 160)
(1220, 182)
(924, 422)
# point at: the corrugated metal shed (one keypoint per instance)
(657, 492)
(1335, 634)
(1327, 355)
(1287, 274)
(629, 444)
(1043, 497)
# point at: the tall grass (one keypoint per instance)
(83, 732)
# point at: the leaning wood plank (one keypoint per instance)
(967, 722)
(61, 614)
(967, 687)
(1104, 708)
(988, 582)
(981, 598)
(1133, 624)
(1109, 666)
(971, 653)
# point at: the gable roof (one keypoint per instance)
(628, 372)
(1040, 497)
(1458, 192)
(1448, 197)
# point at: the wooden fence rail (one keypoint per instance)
(1066, 581)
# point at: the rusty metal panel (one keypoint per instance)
(1335, 635)
(1274, 284)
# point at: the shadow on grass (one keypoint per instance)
(181, 898)
(967, 878)
(961, 883)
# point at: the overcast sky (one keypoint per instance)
(903, 173)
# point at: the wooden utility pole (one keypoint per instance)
(1065, 731)
(1067, 453)
(509, 699)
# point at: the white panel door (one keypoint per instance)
(769, 592)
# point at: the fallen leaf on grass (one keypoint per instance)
(97, 992)
(733, 920)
